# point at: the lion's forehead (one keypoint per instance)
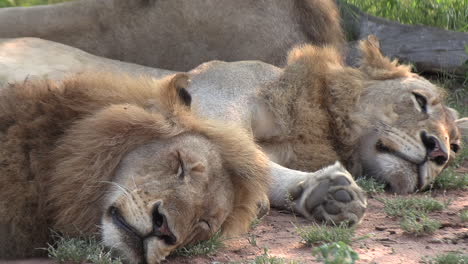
(418, 83)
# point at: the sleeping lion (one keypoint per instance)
(317, 120)
(125, 157)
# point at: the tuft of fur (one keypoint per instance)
(61, 143)
(377, 66)
(320, 20)
(315, 98)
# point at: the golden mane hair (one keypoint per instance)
(61, 143)
(315, 97)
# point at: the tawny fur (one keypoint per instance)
(314, 102)
(218, 30)
(61, 143)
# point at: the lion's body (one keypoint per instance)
(317, 110)
(62, 146)
(216, 30)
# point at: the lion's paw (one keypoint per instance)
(330, 195)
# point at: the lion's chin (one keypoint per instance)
(156, 250)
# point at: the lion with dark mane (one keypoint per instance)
(125, 154)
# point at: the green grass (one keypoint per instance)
(80, 250)
(448, 258)
(265, 258)
(419, 224)
(413, 213)
(335, 253)
(402, 206)
(206, 247)
(255, 223)
(446, 14)
(321, 234)
(12, 3)
(449, 179)
(464, 215)
(370, 185)
(457, 90)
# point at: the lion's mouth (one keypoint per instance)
(420, 164)
(409, 156)
(137, 241)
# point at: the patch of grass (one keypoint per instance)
(326, 234)
(413, 211)
(464, 215)
(13, 3)
(206, 247)
(457, 92)
(252, 240)
(370, 185)
(335, 253)
(448, 258)
(80, 250)
(265, 258)
(450, 179)
(419, 224)
(446, 14)
(255, 223)
(402, 206)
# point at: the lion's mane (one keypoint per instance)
(61, 143)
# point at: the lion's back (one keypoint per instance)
(228, 91)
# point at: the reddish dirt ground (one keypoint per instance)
(384, 241)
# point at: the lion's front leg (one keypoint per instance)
(329, 195)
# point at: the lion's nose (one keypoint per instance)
(435, 151)
(161, 228)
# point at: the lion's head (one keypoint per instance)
(125, 157)
(410, 134)
(379, 119)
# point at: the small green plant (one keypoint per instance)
(252, 240)
(413, 211)
(255, 223)
(402, 206)
(11, 3)
(370, 185)
(450, 179)
(448, 258)
(326, 234)
(464, 215)
(206, 247)
(265, 258)
(335, 253)
(419, 224)
(80, 250)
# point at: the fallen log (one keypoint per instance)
(430, 49)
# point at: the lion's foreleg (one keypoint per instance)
(329, 194)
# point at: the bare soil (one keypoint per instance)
(379, 237)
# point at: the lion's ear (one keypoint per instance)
(180, 83)
(376, 65)
(462, 125)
